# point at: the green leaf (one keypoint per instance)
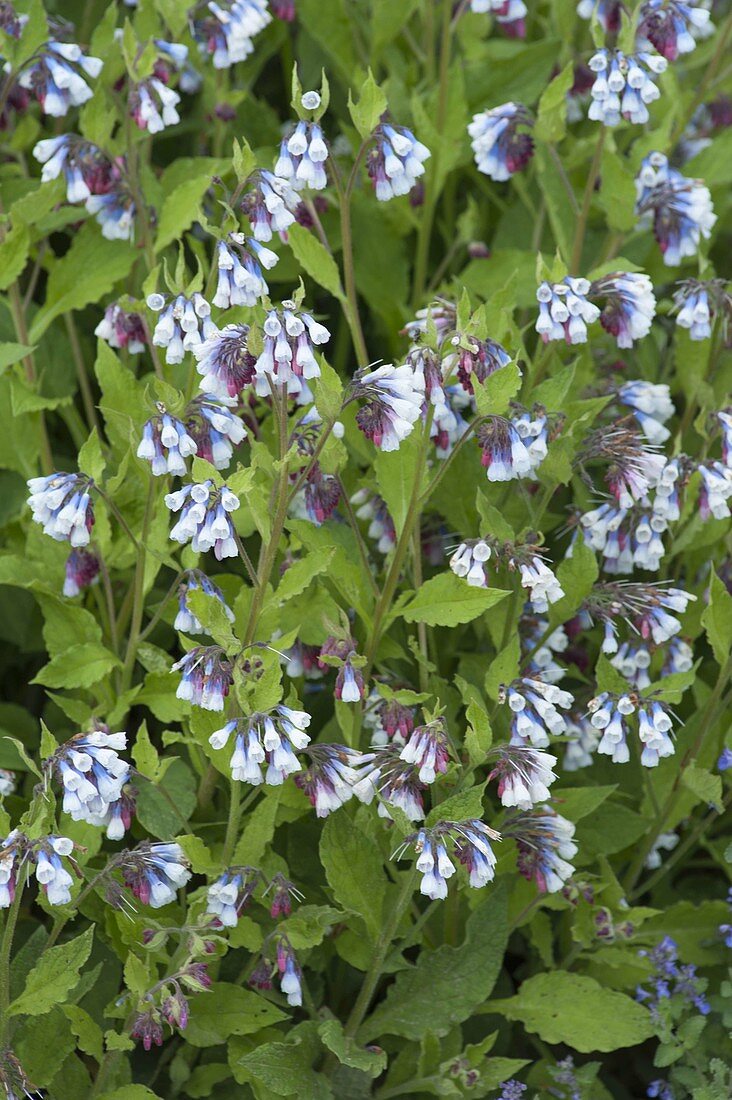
(55, 975)
(447, 984)
(259, 829)
(145, 754)
(210, 612)
(349, 1052)
(91, 458)
(285, 1069)
(577, 576)
(396, 473)
(369, 108)
(576, 1010)
(717, 620)
(704, 784)
(86, 273)
(354, 870)
(81, 666)
(13, 353)
(180, 209)
(14, 250)
(302, 573)
(617, 192)
(163, 808)
(551, 119)
(227, 1010)
(309, 924)
(459, 807)
(446, 600)
(315, 260)
(479, 735)
(493, 395)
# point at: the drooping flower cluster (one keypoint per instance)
(624, 85)
(17, 851)
(240, 260)
(154, 872)
(534, 714)
(226, 28)
(285, 965)
(56, 75)
(472, 555)
(86, 170)
(471, 845)
(207, 676)
(224, 361)
(545, 842)
(699, 303)
(153, 104)
(210, 430)
(396, 162)
(565, 309)
(270, 204)
(271, 738)
(205, 519)
(287, 357)
(524, 775)
(394, 397)
(61, 503)
(671, 26)
(680, 209)
(509, 14)
(92, 776)
(183, 324)
(609, 713)
(302, 157)
(230, 893)
(122, 330)
(501, 140)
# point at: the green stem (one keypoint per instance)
(381, 950)
(349, 273)
(232, 825)
(424, 234)
(21, 331)
(422, 639)
(708, 717)
(6, 948)
(362, 551)
(581, 228)
(139, 593)
(82, 375)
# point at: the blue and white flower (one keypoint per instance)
(624, 85)
(166, 444)
(207, 676)
(302, 157)
(673, 26)
(83, 165)
(680, 209)
(240, 260)
(205, 519)
(229, 894)
(57, 77)
(629, 308)
(471, 845)
(394, 398)
(226, 29)
(545, 842)
(534, 709)
(224, 362)
(565, 311)
(287, 357)
(91, 772)
(524, 775)
(115, 211)
(501, 140)
(270, 203)
(651, 405)
(272, 738)
(183, 324)
(155, 871)
(50, 871)
(62, 504)
(396, 162)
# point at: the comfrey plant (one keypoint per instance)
(368, 462)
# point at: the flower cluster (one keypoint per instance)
(206, 677)
(396, 162)
(287, 357)
(534, 715)
(205, 518)
(680, 209)
(471, 845)
(545, 842)
(61, 504)
(226, 28)
(196, 581)
(154, 872)
(624, 85)
(501, 140)
(271, 738)
(610, 712)
(302, 158)
(394, 398)
(92, 777)
(240, 260)
(183, 324)
(17, 851)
